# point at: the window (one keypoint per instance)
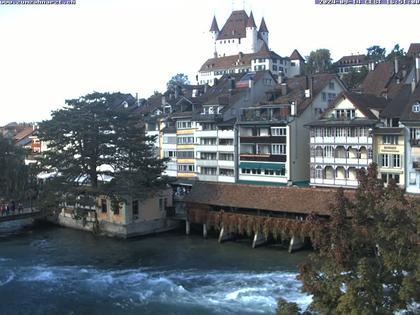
(209, 126)
(414, 133)
(208, 141)
(169, 139)
(185, 154)
(277, 131)
(116, 210)
(104, 207)
(135, 209)
(324, 96)
(384, 160)
(345, 113)
(225, 141)
(329, 151)
(185, 140)
(416, 108)
(390, 139)
(331, 97)
(278, 149)
(226, 172)
(387, 177)
(183, 124)
(396, 161)
(226, 156)
(331, 85)
(209, 170)
(318, 172)
(169, 154)
(185, 168)
(208, 156)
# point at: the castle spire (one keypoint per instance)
(214, 27)
(263, 27)
(251, 21)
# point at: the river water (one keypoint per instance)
(54, 270)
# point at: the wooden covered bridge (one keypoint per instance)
(285, 213)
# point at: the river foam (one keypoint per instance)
(222, 291)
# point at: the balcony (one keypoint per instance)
(207, 178)
(265, 114)
(226, 163)
(225, 148)
(341, 140)
(208, 163)
(206, 133)
(206, 148)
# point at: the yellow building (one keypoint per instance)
(389, 154)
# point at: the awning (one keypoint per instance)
(263, 166)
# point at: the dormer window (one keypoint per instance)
(416, 108)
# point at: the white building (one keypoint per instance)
(273, 142)
(342, 140)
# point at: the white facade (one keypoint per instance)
(412, 155)
(340, 146)
(214, 153)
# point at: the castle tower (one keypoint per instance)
(214, 31)
(263, 32)
(251, 34)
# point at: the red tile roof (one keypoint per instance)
(24, 133)
(271, 198)
(296, 87)
(353, 60)
(251, 21)
(235, 26)
(296, 56)
(414, 49)
(228, 62)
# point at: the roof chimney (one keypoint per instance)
(413, 85)
(396, 65)
(371, 66)
(418, 68)
(231, 84)
(283, 89)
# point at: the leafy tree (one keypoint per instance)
(100, 135)
(16, 178)
(376, 54)
(353, 79)
(396, 52)
(318, 61)
(366, 259)
(177, 82)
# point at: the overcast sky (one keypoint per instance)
(52, 53)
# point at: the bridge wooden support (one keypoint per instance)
(259, 239)
(187, 227)
(205, 230)
(224, 235)
(296, 243)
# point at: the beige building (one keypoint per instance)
(389, 151)
(135, 217)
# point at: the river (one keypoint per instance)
(53, 270)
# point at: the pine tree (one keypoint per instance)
(98, 137)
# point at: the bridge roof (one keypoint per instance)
(271, 198)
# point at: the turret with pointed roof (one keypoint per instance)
(263, 27)
(251, 21)
(214, 27)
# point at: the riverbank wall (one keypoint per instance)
(90, 224)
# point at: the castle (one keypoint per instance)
(241, 47)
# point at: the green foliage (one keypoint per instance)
(287, 308)
(366, 259)
(376, 54)
(99, 135)
(318, 61)
(396, 52)
(177, 82)
(17, 180)
(353, 79)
